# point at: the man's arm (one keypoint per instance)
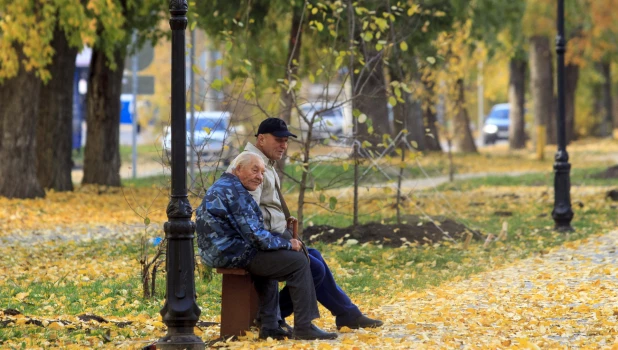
(253, 230)
(264, 239)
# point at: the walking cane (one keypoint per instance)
(292, 225)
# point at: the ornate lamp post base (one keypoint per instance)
(180, 341)
(180, 312)
(562, 213)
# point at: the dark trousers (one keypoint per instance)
(268, 267)
(327, 291)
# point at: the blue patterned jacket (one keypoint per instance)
(230, 226)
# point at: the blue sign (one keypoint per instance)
(126, 117)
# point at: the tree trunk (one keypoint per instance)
(18, 115)
(301, 192)
(415, 118)
(517, 133)
(615, 105)
(604, 68)
(408, 115)
(541, 87)
(571, 77)
(596, 127)
(464, 141)
(102, 154)
(291, 70)
(55, 122)
(370, 98)
(291, 64)
(432, 138)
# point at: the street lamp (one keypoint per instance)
(180, 312)
(562, 213)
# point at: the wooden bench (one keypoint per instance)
(239, 302)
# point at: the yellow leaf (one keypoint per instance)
(158, 324)
(413, 9)
(345, 330)
(403, 46)
(251, 335)
(392, 101)
(22, 295)
(55, 326)
(106, 301)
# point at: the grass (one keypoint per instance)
(149, 181)
(61, 279)
(375, 268)
(146, 152)
(323, 176)
(579, 177)
(101, 277)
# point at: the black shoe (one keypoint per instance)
(286, 327)
(312, 333)
(361, 321)
(277, 333)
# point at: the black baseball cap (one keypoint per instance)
(274, 126)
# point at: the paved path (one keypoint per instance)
(429, 182)
(567, 298)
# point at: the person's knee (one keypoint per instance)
(315, 253)
(318, 271)
(299, 261)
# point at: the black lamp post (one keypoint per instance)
(180, 312)
(562, 213)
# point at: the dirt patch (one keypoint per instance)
(415, 229)
(609, 173)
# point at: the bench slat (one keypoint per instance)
(225, 271)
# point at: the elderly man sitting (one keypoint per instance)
(231, 234)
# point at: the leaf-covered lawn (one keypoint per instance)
(69, 271)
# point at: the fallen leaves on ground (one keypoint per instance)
(69, 274)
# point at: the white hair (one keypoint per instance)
(244, 159)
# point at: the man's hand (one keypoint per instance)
(292, 225)
(295, 244)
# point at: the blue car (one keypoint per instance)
(497, 123)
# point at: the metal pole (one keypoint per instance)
(192, 102)
(180, 312)
(480, 104)
(562, 212)
(134, 68)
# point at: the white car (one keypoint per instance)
(211, 135)
(327, 122)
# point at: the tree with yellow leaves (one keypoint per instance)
(38, 44)
(37, 38)
(119, 19)
(454, 46)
